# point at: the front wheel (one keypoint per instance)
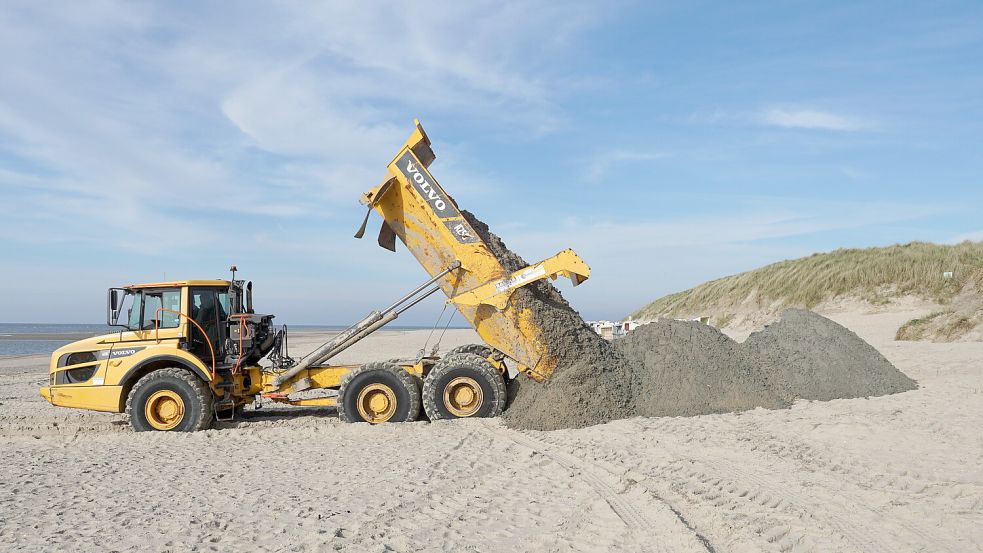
(377, 393)
(463, 385)
(169, 400)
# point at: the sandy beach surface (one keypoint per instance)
(886, 474)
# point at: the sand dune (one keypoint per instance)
(896, 473)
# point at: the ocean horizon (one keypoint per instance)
(24, 339)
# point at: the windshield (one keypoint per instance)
(149, 309)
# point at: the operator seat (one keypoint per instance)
(204, 315)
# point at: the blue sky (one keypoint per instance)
(667, 142)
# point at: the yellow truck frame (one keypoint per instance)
(152, 376)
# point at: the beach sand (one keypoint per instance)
(894, 473)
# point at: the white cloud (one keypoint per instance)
(809, 119)
(260, 112)
(783, 117)
(775, 218)
(600, 164)
(971, 236)
(184, 138)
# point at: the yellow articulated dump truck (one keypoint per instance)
(190, 352)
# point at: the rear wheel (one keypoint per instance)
(463, 385)
(481, 350)
(171, 400)
(377, 393)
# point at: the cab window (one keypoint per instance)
(224, 305)
(133, 311)
(163, 305)
(158, 308)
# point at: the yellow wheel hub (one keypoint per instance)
(376, 403)
(164, 410)
(463, 396)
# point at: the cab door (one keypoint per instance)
(209, 308)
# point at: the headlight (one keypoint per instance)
(75, 376)
(76, 358)
(83, 357)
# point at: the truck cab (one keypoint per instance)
(192, 326)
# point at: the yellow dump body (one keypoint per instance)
(428, 221)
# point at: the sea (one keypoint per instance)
(20, 339)
(23, 339)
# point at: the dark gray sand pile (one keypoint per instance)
(682, 368)
(687, 368)
(819, 359)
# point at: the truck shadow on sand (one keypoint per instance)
(246, 418)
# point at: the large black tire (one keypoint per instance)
(168, 388)
(481, 350)
(403, 386)
(458, 367)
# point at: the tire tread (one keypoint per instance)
(479, 364)
(481, 350)
(202, 393)
(406, 379)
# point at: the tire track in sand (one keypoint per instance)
(409, 492)
(638, 522)
(723, 486)
(868, 537)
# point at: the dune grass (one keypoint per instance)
(874, 274)
(941, 326)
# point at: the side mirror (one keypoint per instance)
(114, 301)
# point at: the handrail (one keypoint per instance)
(243, 330)
(192, 321)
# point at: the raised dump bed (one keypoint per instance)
(418, 211)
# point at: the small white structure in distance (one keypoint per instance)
(604, 328)
(626, 326)
(609, 330)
